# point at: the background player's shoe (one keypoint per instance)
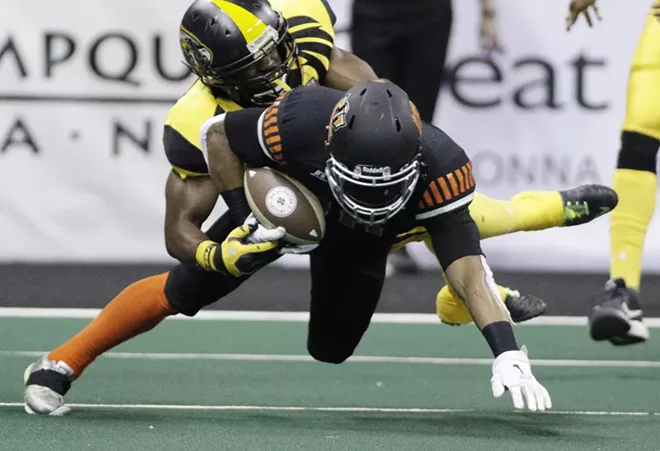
(402, 262)
(618, 318)
(46, 383)
(586, 203)
(523, 307)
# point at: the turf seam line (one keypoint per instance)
(236, 315)
(353, 359)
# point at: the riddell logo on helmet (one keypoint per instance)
(374, 170)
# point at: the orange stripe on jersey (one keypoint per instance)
(466, 175)
(421, 205)
(271, 121)
(271, 130)
(461, 181)
(436, 193)
(427, 198)
(276, 148)
(272, 112)
(273, 139)
(454, 185)
(445, 188)
(471, 178)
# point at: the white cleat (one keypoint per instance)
(46, 382)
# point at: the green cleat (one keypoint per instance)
(586, 203)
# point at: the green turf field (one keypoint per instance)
(249, 385)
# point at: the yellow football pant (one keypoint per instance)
(527, 211)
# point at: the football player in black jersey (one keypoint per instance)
(385, 172)
(246, 53)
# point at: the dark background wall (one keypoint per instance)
(92, 286)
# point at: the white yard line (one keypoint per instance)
(183, 407)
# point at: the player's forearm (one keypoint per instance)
(347, 70)
(225, 167)
(473, 283)
(188, 203)
(182, 240)
(483, 304)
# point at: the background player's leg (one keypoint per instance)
(347, 279)
(373, 39)
(618, 316)
(424, 58)
(635, 178)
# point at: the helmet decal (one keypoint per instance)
(416, 117)
(338, 117)
(193, 47)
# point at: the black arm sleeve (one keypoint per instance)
(455, 237)
(244, 134)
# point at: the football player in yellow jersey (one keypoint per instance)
(618, 316)
(245, 53)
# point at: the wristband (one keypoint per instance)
(205, 255)
(500, 337)
(237, 204)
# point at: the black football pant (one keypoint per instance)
(405, 42)
(347, 272)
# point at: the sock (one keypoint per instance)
(137, 309)
(524, 212)
(629, 221)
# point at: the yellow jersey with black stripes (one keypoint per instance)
(311, 24)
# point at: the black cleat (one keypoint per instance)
(619, 317)
(523, 307)
(586, 203)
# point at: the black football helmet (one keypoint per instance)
(240, 47)
(374, 141)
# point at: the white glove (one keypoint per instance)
(297, 249)
(263, 234)
(512, 372)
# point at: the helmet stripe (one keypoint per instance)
(250, 26)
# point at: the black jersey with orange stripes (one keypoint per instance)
(291, 135)
(311, 24)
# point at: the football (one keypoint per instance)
(278, 200)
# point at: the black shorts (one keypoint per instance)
(347, 272)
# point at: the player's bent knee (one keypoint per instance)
(638, 152)
(328, 354)
(189, 289)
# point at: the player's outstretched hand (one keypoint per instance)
(512, 372)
